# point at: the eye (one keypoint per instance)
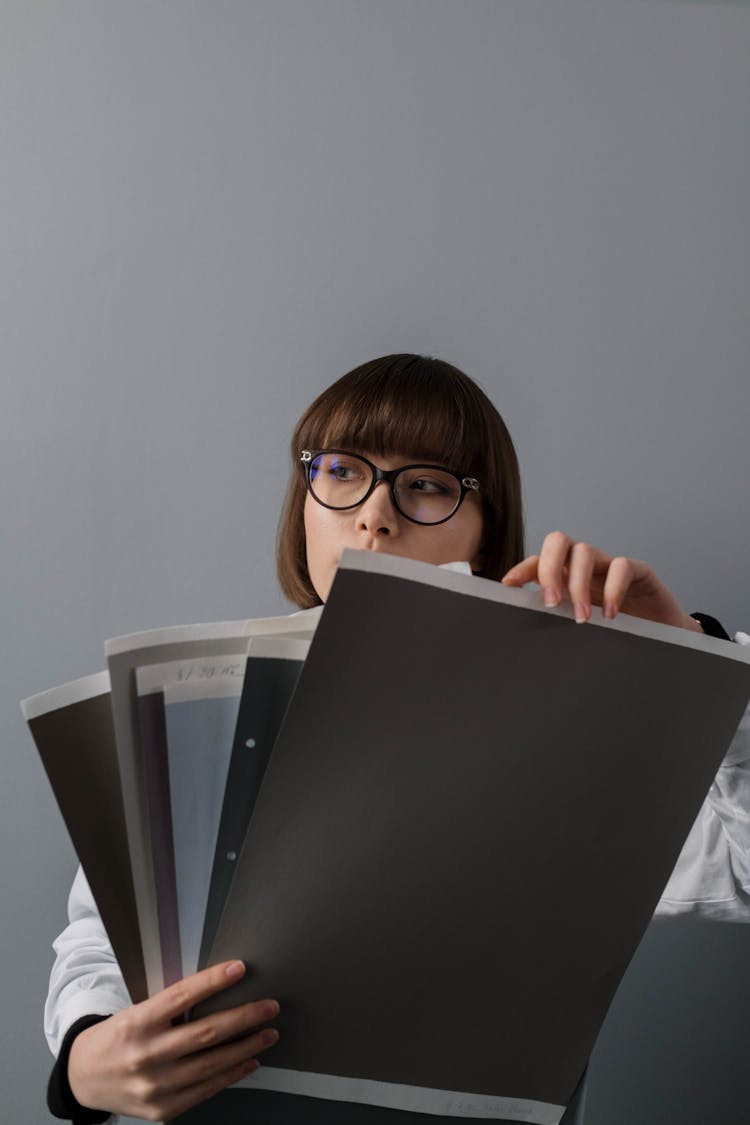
(345, 469)
(342, 472)
(427, 484)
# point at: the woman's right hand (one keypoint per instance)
(140, 1063)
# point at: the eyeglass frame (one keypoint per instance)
(467, 484)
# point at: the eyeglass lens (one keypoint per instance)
(423, 493)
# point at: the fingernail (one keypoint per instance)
(610, 610)
(270, 1037)
(550, 596)
(581, 613)
(270, 1009)
(235, 969)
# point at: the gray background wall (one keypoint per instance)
(209, 211)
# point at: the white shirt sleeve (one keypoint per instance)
(85, 979)
(712, 875)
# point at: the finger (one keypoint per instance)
(202, 1091)
(619, 577)
(522, 572)
(201, 1067)
(552, 560)
(214, 1070)
(167, 1082)
(580, 571)
(174, 1001)
(221, 1026)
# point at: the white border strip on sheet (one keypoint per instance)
(65, 695)
(393, 1095)
(200, 671)
(223, 687)
(302, 623)
(444, 578)
(197, 674)
(296, 627)
(279, 648)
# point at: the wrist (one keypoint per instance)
(61, 1101)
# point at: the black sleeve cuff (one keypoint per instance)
(60, 1099)
(711, 627)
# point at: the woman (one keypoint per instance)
(404, 455)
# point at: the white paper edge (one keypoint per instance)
(279, 648)
(374, 562)
(301, 622)
(151, 678)
(53, 699)
(393, 1095)
(222, 687)
(170, 676)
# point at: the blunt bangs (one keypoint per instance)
(409, 406)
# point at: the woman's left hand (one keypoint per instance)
(592, 577)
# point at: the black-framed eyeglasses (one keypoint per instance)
(426, 494)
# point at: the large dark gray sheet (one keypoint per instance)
(469, 816)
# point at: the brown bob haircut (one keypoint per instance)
(410, 406)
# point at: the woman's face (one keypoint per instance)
(376, 525)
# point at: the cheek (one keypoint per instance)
(313, 533)
(318, 529)
(320, 546)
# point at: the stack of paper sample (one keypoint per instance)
(437, 836)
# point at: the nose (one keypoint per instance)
(378, 514)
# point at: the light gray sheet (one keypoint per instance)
(200, 731)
